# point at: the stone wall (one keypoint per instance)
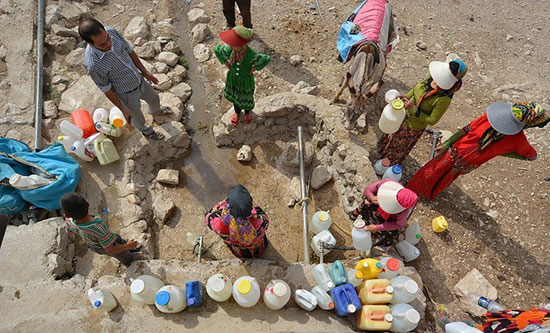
(278, 116)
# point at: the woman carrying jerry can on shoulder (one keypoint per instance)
(242, 62)
(425, 104)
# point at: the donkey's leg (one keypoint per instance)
(343, 85)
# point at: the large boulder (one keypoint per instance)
(202, 52)
(174, 103)
(137, 27)
(182, 90)
(70, 12)
(52, 15)
(201, 32)
(83, 94)
(169, 58)
(61, 45)
(197, 15)
(474, 283)
(75, 58)
(64, 32)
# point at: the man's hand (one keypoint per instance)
(150, 77)
(371, 228)
(127, 115)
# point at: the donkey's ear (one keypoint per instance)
(351, 87)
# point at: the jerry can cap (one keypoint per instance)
(331, 305)
(388, 317)
(162, 298)
(359, 275)
(389, 289)
(412, 316)
(97, 304)
(352, 308)
(218, 284)
(330, 284)
(323, 216)
(393, 264)
(397, 104)
(411, 287)
(244, 286)
(279, 289)
(379, 265)
(397, 169)
(137, 286)
(359, 224)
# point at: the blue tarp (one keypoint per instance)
(346, 39)
(17, 157)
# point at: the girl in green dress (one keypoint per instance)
(242, 62)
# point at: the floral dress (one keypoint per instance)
(245, 238)
(239, 83)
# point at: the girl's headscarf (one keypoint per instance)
(240, 202)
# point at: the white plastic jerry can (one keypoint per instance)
(405, 318)
(70, 129)
(324, 236)
(66, 141)
(276, 294)
(100, 115)
(145, 288)
(460, 327)
(412, 233)
(321, 276)
(305, 299)
(362, 240)
(80, 150)
(395, 172)
(102, 299)
(355, 277)
(323, 298)
(219, 287)
(90, 141)
(28, 182)
(116, 117)
(171, 299)
(320, 221)
(391, 268)
(406, 250)
(246, 291)
(405, 289)
(392, 117)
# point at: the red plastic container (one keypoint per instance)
(82, 119)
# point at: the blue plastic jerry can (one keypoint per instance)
(346, 300)
(193, 293)
(338, 273)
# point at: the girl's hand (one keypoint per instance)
(408, 103)
(371, 228)
(228, 65)
(373, 199)
(440, 150)
(252, 70)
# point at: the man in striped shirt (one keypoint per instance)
(94, 231)
(117, 71)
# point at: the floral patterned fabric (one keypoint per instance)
(246, 238)
(397, 146)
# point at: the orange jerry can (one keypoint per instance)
(84, 121)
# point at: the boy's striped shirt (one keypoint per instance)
(95, 233)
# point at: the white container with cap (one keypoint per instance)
(70, 129)
(26, 183)
(67, 142)
(323, 298)
(405, 318)
(108, 129)
(460, 327)
(116, 117)
(381, 166)
(324, 236)
(362, 240)
(80, 150)
(171, 299)
(246, 291)
(355, 277)
(277, 294)
(405, 289)
(320, 221)
(100, 115)
(90, 141)
(145, 288)
(406, 250)
(392, 116)
(219, 287)
(321, 276)
(391, 267)
(412, 233)
(395, 173)
(391, 95)
(305, 299)
(102, 299)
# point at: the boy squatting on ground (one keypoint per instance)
(94, 230)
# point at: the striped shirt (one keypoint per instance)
(96, 234)
(113, 69)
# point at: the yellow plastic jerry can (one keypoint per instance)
(105, 151)
(374, 318)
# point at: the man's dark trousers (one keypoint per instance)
(229, 12)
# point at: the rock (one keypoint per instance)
(296, 60)
(147, 65)
(419, 304)
(421, 45)
(319, 177)
(289, 158)
(201, 32)
(197, 15)
(84, 10)
(169, 58)
(97, 2)
(305, 88)
(474, 284)
(49, 109)
(492, 214)
(137, 27)
(146, 51)
(173, 47)
(75, 58)
(244, 154)
(174, 103)
(509, 38)
(64, 32)
(182, 90)
(160, 67)
(477, 59)
(61, 45)
(70, 13)
(52, 15)
(182, 141)
(295, 189)
(140, 41)
(177, 74)
(168, 176)
(134, 230)
(134, 199)
(201, 52)
(83, 94)
(163, 208)
(164, 82)
(3, 52)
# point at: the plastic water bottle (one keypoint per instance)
(277, 294)
(100, 115)
(484, 302)
(102, 299)
(71, 129)
(392, 116)
(246, 291)
(116, 117)
(323, 298)
(26, 183)
(405, 318)
(305, 299)
(405, 289)
(67, 142)
(381, 166)
(170, 299)
(145, 288)
(321, 276)
(108, 129)
(219, 287)
(79, 150)
(395, 173)
(362, 240)
(320, 221)
(412, 233)
(408, 251)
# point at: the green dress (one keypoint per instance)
(239, 85)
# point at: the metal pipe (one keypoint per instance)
(39, 61)
(304, 202)
(322, 254)
(435, 135)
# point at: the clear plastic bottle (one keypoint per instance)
(362, 240)
(26, 183)
(395, 173)
(79, 150)
(108, 129)
(102, 299)
(277, 294)
(67, 142)
(484, 302)
(145, 288)
(323, 298)
(381, 166)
